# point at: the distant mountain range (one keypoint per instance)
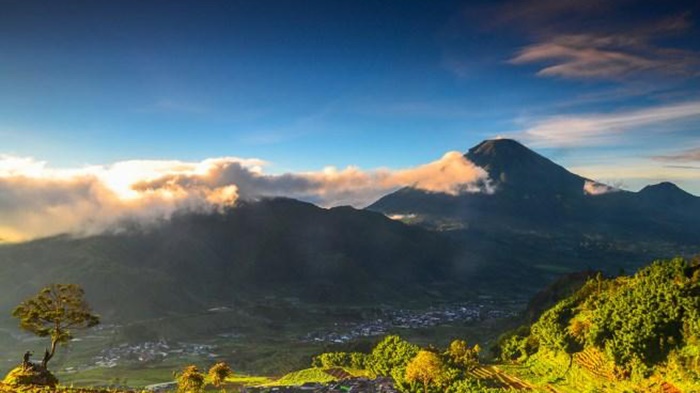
(537, 224)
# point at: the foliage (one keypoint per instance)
(640, 323)
(190, 380)
(62, 389)
(54, 312)
(354, 360)
(412, 368)
(469, 386)
(426, 368)
(516, 345)
(218, 373)
(303, 376)
(551, 330)
(459, 354)
(23, 376)
(391, 356)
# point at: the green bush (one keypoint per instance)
(391, 356)
(354, 360)
(637, 322)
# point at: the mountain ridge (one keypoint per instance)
(534, 193)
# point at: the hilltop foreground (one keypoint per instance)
(638, 333)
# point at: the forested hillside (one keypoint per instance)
(638, 330)
(275, 247)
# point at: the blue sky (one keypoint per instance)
(608, 89)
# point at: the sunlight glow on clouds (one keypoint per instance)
(629, 47)
(36, 200)
(594, 188)
(596, 56)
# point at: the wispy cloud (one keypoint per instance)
(37, 200)
(638, 173)
(688, 155)
(606, 57)
(570, 46)
(605, 128)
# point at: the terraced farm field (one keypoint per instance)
(594, 362)
(499, 378)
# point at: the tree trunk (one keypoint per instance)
(48, 355)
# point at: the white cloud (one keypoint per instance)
(36, 200)
(595, 188)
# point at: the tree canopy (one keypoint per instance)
(55, 312)
(638, 322)
(426, 368)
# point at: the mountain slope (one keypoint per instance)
(273, 247)
(517, 169)
(633, 331)
(534, 194)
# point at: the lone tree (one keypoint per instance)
(54, 312)
(218, 373)
(190, 380)
(426, 368)
(462, 356)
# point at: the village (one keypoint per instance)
(390, 319)
(386, 321)
(409, 319)
(150, 352)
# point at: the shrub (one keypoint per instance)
(190, 380)
(218, 373)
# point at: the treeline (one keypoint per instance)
(414, 369)
(640, 325)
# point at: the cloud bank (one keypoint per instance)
(37, 200)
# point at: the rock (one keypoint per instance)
(33, 374)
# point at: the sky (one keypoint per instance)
(340, 100)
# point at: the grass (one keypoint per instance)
(303, 376)
(313, 374)
(121, 376)
(248, 380)
(59, 389)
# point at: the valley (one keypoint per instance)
(267, 285)
(282, 340)
(349, 196)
